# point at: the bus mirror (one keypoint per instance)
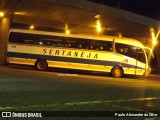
(149, 51)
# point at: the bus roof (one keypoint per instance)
(117, 39)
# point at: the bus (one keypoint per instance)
(42, 49)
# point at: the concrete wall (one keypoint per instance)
(108, 11)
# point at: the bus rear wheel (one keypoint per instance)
(117, 72)
(41, 65)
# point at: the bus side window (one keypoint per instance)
(48, 43)
(127, 50)
(58, 44)
(15, 38)
(53, 43)
(122, 49)
(80, 46)
(101, 45)
(29, 38)
(101, 48)
(81, 43)
(108, 46)
(93, 45)
(35, 42)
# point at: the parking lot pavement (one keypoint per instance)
(154, 77)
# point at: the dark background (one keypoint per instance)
(148, 8)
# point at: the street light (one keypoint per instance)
(119, 34)
(158, 34)
(31, 27)
(67, 31)
(154, 37)
(154, 41)
(99, 28)
(1, 14)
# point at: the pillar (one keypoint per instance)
(4, 30)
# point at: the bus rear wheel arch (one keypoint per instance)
(117, 71)
(41, 65)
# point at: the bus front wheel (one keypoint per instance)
(117, 72)
(41, 65)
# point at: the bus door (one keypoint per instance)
(140, 62)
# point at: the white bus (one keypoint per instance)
(116, 55)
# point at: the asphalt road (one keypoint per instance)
(27, 89)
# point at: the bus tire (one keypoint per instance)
(41, 65)
(117, 72)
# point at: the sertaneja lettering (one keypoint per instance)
(57, 52)
(89, 55)
(63, 51)
(95, 56)
(76, 54)
(82, 54)
(50, 52)
(44, 51)
(70, 53)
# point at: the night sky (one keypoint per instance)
(148, 8)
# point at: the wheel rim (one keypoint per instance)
(41, 65)
(117, 72)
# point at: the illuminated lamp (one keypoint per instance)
(67, 31)
(31, 27)
(1, 14)
(99, 28)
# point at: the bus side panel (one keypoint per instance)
(69, 58)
